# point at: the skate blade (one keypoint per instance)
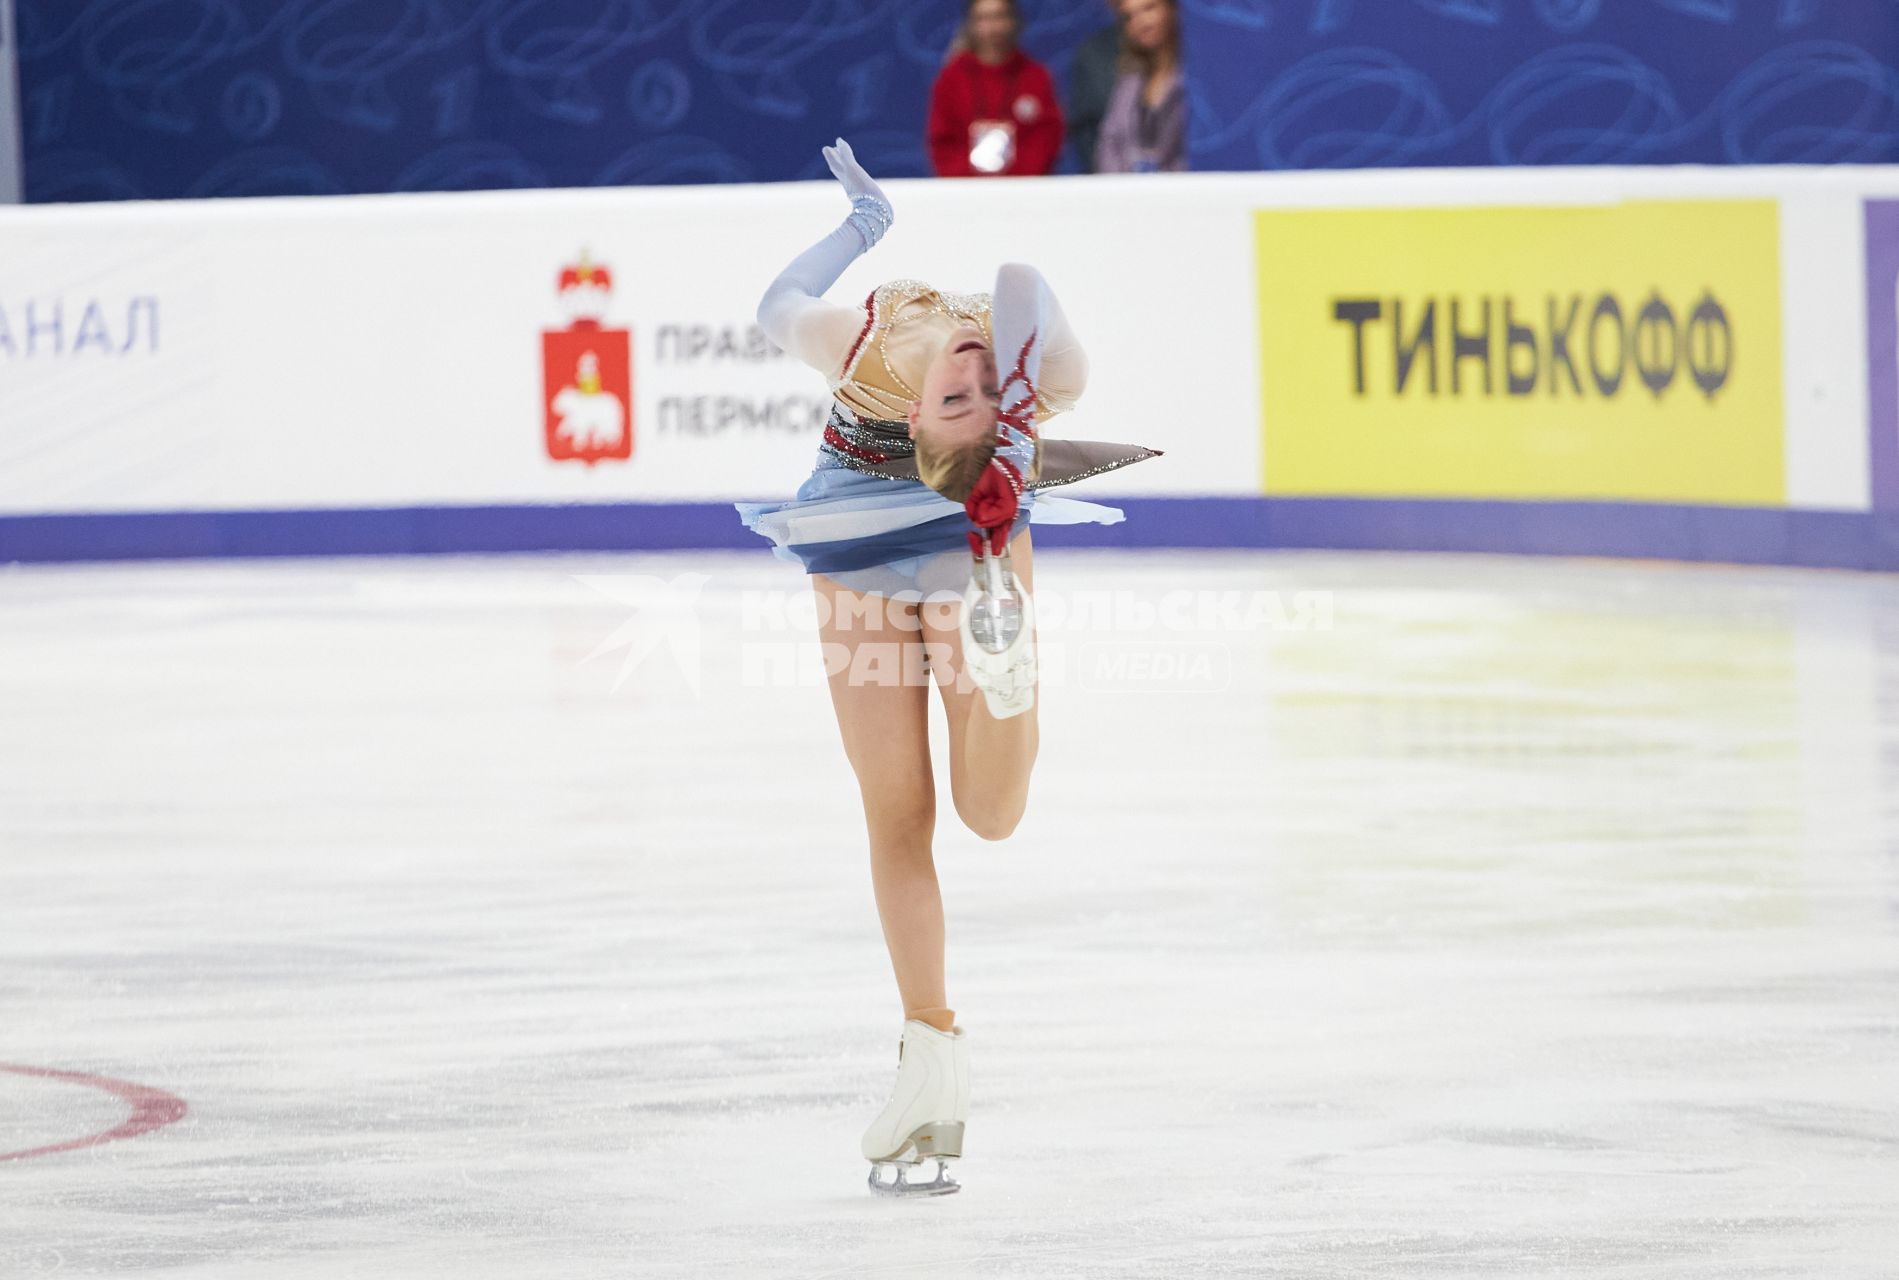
(993, 606)
(900, 1186)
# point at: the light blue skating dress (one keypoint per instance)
(861, 517)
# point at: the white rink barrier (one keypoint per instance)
(1670, 362)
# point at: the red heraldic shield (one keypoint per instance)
(588, 392)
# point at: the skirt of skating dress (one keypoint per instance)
(882, 536)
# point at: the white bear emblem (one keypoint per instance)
(590, 419)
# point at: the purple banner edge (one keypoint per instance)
(1882, 351)
(1734, 535)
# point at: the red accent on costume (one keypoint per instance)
(993, 503)
(1021, 414)
(997, 497)
(969, 89)
(870, 320)
(835, 438)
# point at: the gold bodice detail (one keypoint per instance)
(906, 325)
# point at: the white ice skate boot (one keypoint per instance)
(927, 1110)
(998, 630)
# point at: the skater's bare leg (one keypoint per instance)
(883, 715)
(990, 759)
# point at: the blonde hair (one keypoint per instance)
(953, 471)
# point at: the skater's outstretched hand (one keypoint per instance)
(871, 213)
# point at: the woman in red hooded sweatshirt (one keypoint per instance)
(993, 110)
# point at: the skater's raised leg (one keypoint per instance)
(990, 758)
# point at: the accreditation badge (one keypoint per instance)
(991, 145)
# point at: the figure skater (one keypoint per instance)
(913, 527)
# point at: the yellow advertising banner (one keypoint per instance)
(1624, 351)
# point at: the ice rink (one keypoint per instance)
(1375, 915)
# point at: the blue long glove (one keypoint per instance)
(818, 268)
(871, 213)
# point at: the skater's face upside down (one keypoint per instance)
(959, 397)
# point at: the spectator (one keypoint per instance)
(1145, 129)
(1091, 79)
(993, 110)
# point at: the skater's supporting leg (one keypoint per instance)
(883, 716)
(990, 759)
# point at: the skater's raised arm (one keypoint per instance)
(793, 311)
(1040, 365)
(1025, 305)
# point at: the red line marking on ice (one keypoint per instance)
(151, 1109)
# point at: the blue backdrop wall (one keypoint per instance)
(163, 98)
(157, 98)
(1282, 84)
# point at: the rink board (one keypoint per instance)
(386, 375)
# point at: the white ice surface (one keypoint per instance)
(1532, 918)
